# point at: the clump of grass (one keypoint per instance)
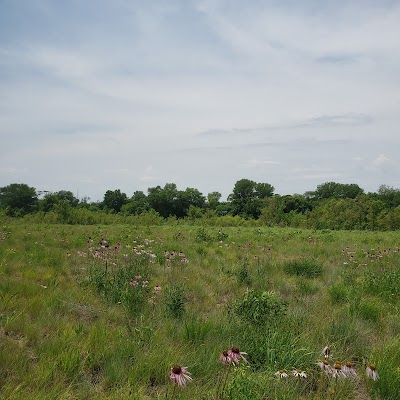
(303, 267)
(175, 301)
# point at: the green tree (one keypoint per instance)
(136, 205)
(247, 197)
(51, 199)
(114, 200)
(213, 199)
(335, 190)
(389, 195)
(163, 200)
(18, 199)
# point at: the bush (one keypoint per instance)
(260, 307)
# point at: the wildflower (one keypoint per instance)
(349, 369)
(326, 351)
(300, 373)
(338, 371)
(372, 372)
(281, 374)
(236, 355)
(133, 283)
(225, 357)
(184, 260)
(324, 365)
(179, 375)
(157, 289)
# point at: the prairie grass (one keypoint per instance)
(105, 311)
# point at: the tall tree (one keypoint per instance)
(18, 199)
(336, 190)
(114, 200)
(51, 199)
(247, 197)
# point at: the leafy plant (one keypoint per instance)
(260, 307)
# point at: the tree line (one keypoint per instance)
(331, 205)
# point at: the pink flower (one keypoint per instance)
(157, 289)
(179, 375)
(236, 355)
(133, 283)
(225, 357)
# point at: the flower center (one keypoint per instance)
(235, 350)
(177, 369)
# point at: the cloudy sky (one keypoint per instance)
(101, 95)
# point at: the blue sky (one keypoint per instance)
(104, 95)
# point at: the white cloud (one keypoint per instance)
(380, 160)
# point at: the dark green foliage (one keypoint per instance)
(114, 200)
(303, 267)
(247, 197)
(18, 199)
(337, 190)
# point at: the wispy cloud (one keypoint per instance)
(259, 163)
(199, 90)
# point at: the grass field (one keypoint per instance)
(105, 312)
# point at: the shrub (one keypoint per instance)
(260, 307)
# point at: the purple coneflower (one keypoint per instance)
(372, 372)
(179, 375)
(225, 358)
(236, 355)
(157, 289)
(133, 283)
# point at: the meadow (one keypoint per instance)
(110, 312)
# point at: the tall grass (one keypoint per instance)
(105, 311)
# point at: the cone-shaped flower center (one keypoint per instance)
(338, 365)
(235, 350)
(177, 369)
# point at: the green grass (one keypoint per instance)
(75, 326)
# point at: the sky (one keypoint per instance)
(101, 95)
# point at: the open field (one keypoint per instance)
(105, 311)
